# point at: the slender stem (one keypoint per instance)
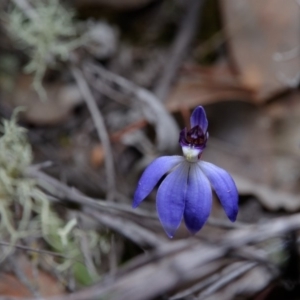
(100, 127)
(25, 248)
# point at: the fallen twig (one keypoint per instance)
(132, 231)
(166, 128)
(100, 127)
(230, 272)
(176, 264)
(112, 215)
(29, 249)
(63, 192)
(230, 276)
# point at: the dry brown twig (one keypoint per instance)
(116, 218)
(100, 127)
(189, 258)
(225, 279)
(132, 231)
(171, 269)
(182, 262)
(29, 249)
(154, 111)
(186, 264)
(63, 192)
(112, 215)
(228, 273)
(200, 255)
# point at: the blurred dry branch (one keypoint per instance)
(153, 110)
(101, 130)
(182, 262)
(117, 218)
(176, 264)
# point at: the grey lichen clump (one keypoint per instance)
(49, 36)
(15, 157)
(24, 208)
(25, 211)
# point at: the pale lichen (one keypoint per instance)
(25, 210)
(47, 38)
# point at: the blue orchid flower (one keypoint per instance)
(186, 192)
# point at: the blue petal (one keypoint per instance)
(198, 199)
(170, 199)
(224, 187)
(152, 175)
(198, 117)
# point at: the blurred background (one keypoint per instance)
(92, 91)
